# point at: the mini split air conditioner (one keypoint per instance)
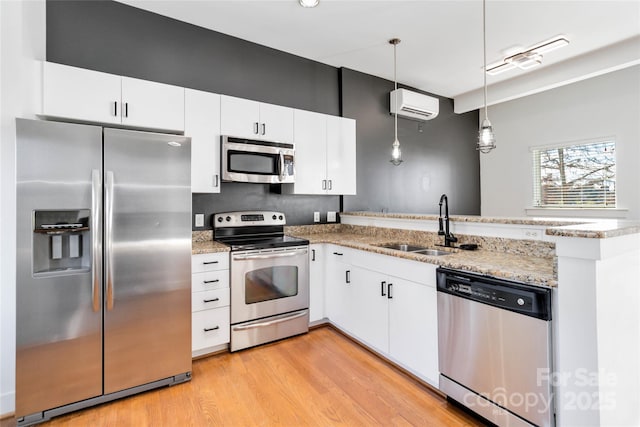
(413, 105)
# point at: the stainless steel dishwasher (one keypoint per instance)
(494, 347)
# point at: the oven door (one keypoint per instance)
(257, 161)
(268, 282)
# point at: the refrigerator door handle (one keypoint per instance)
(96, 214)
(108, 230)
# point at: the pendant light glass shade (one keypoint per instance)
(486, 137)
(396, 153)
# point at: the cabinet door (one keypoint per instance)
(152, 105)
(413, 328)
(310, 138)
(316, 282)
(369, 313)
(276, 123)
(239, 117)
(339, 292)
(341, 155)
(202, 124)
(76, 93)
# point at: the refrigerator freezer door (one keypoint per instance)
(58, 282)
(147, 331)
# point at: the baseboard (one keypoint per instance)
(7, 405)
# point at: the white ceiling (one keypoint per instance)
(441, 48)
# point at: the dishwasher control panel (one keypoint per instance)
(525, 299)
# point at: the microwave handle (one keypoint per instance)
(281, 165)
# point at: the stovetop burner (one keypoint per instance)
(253, 230)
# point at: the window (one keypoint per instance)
(579, 175)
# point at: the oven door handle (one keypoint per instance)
(270, 322)
(268, 256)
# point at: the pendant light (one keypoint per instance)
(486, 138)
(396, 153)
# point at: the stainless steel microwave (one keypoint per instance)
(249, 160)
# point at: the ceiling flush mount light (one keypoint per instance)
(396, 154)
(528, 58)
(309, 3)
(486, 138)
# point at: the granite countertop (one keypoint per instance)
(569, 227)
(534, 270)
(207, 247)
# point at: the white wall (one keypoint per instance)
(22, 39)
(607, 105)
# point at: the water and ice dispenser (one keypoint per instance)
(61, 242)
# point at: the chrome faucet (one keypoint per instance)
(444, 231)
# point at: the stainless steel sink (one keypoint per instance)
(432, 252)
(404, 247)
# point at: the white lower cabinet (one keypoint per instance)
(316, 282)
(210, 299)
(388, 304)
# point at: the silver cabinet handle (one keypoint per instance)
(216, 179)
(313, 254)
(264, 129)
(330, 184)
(348, 276)
(108, 235)
(96, 239)
(255, 127)
(269, 323)
(324, 184)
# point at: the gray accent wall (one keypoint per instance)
(120, 39)
(439, 155)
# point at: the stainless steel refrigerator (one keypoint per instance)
(103, 293)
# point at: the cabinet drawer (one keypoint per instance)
(209, 328)
(209, 262)
(209, 280)
(206, 300)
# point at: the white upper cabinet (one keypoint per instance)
(341, 155)
(256, 120)
(325, 154)
(310, 137)
(92, 96)
(76, 93)
(148, 104)
(202, 124)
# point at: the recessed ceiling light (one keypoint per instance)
(308, 3)
(528, 58)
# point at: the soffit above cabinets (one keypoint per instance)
(441, 51)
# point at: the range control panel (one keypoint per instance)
(248, 219)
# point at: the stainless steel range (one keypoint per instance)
(269, 277)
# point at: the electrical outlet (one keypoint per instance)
(533, 234)
(199, 220)
(316, 217)
(331, 216)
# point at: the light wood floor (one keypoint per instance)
(318, 379)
